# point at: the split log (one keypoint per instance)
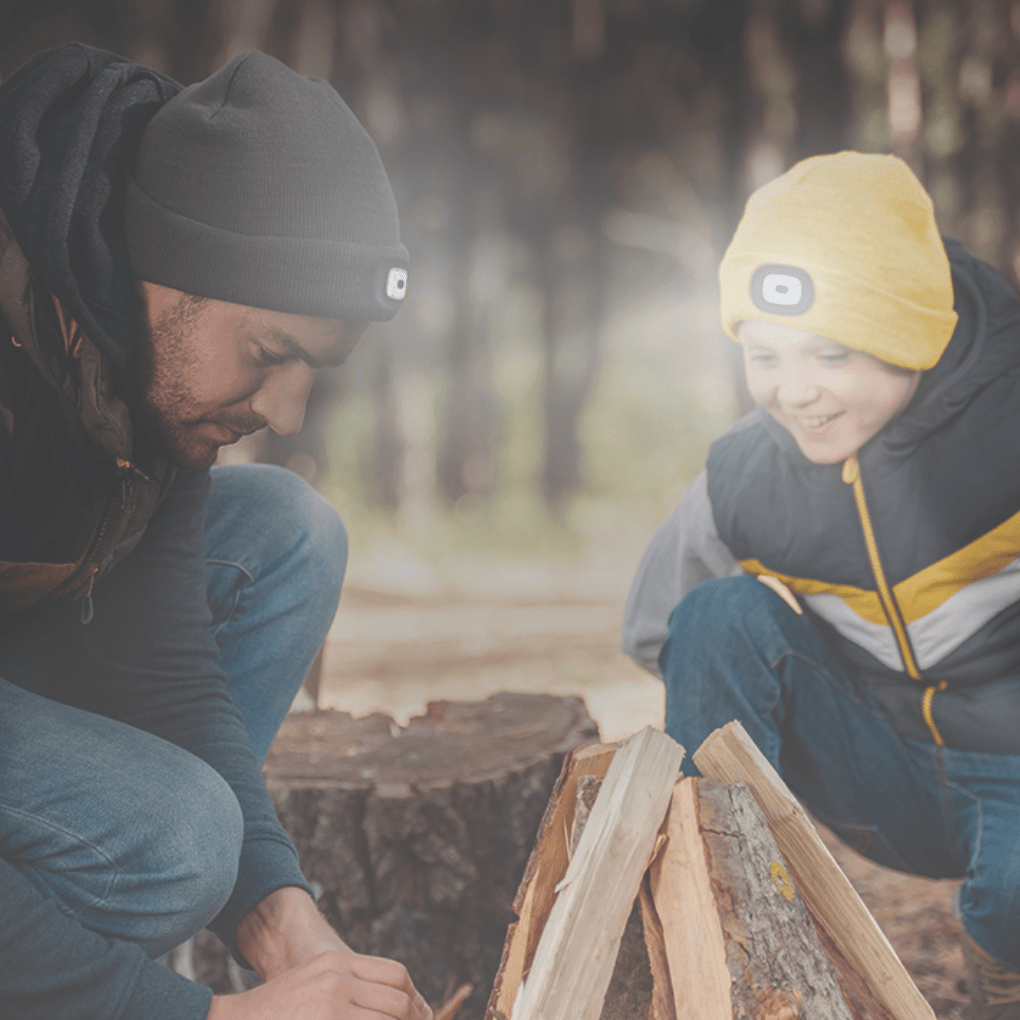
(639, 987)
(868, 967)
(546, 866)
(577, 950)
(738, 938)
(415, 839)
(631, 989)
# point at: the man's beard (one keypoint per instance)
(167, 410)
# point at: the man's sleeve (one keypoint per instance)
(152, 660)
(685, 551)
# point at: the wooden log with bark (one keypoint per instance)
(739, 941)
(416, 838)
(872, 975)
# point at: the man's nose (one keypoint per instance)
(282, 399)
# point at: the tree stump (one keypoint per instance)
(415, 839)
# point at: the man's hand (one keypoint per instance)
(333, 986)
(310, 973)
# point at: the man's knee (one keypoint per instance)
(294, 527)
(183, 865)
(204, 845)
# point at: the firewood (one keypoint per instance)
(576, 953)
(738, 938)
(546, 866)
(663, 999)
(631, 989)
(867, 964)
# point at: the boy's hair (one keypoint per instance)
(845, 246)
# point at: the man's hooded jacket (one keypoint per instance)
(70, 121)
(907, 554)
(97, 530)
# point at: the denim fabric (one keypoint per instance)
(128, 834)
(737, 651)
(273, 591)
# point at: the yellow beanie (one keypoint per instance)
(845, 246)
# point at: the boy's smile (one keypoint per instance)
(831, 399)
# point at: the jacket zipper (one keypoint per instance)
(128, 506)
(852, 476)
(87, 609)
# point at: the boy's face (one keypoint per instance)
(830, 398)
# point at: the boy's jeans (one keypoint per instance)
(737, 651)
(128, 833)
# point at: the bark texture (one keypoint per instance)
(773, 953)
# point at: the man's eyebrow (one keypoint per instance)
(294, 350)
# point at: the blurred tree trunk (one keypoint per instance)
(814, 32)
(968, 59)
(467, 465)
(571, 264)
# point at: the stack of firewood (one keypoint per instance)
(708, 899)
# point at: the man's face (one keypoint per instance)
(210, 371)
(830, 398)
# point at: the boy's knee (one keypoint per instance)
(718, 604)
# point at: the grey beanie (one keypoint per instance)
(259, 186)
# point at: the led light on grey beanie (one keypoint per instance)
(259, 186)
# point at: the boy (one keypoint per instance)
(875, 492)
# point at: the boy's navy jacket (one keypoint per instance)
(81, 493)
(934, 605)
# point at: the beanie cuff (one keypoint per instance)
(886, 325)
(303, 276)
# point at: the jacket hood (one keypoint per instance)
(71, 121)
(985, 346)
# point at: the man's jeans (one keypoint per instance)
(129, 834)
(737, 651)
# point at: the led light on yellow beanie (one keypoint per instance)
(845, 246)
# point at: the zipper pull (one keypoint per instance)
(126, 469)
(87, 608)
(851, 469)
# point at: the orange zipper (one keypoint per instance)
(852, 476)
(85, 596)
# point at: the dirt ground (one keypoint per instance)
(395, 650)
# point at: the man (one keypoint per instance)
(874, 491)
(175, 267)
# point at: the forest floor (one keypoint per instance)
(394, 648)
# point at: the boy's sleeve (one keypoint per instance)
(685, 551)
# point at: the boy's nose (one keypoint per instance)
(796, 388)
